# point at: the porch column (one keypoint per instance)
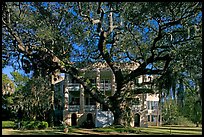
(98, 88)
(66, 92)
(81, 99)
(143, 101)
(113, 86)
(66, 99)
(144, 122)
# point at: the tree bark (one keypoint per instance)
(121, 113)
(52, 103)
(158, 111)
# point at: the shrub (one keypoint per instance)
(32, 125)
(181, 120)
(8, 124)
(43, 125)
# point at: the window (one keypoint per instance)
(152, 105)
(149, 105)
(148, 118)
(75, 101)
(105, 84)
(153, 118)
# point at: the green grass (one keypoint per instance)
(172, 130)
(111, 130)
(48, 131)
(8, 124)
(155, 130)
(120, 130)
(32, 132)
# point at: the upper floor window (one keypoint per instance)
(105, 81)
(105, 84)
(75, 101)
(151, 105)
(148, 104)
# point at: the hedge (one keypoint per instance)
(32, 125)
(8, 124)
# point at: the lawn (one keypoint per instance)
(32, 132)
(110, 131)
(153, 130)
(172, 130)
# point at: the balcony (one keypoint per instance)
(76, 108)
(76, 86)
(89, 108)
(73, 108)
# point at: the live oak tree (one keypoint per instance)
(48, 38)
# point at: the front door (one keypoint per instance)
(137, 120)
(89, 120)
(74, 119)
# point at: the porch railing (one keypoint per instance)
(76, 108)
(76, 86)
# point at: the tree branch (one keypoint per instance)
(96, 21)
(92, 91)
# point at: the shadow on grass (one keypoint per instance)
(36, 132)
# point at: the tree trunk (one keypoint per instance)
(52, 108)
(122, 115)
(52, 102)
(158, 110)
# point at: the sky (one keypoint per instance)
(7, 71)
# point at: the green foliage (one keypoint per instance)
(35, 96)
(19, 80)
(32, 125)
(170, 113)
(187, 114)
(8, 124)
(192, 108)
(43, 125)
(183, 121)
(7, 84)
